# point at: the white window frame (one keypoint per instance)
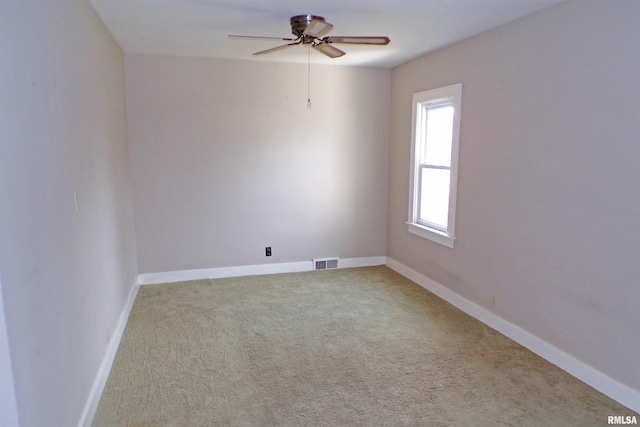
(452, 94)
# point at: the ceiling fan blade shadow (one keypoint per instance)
(273, 49)
(259, 38)
(318, 28)
(330, 51)
(376, 40)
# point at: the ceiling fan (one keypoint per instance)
(312, 30)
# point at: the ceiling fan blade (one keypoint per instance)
(318, 28)
(378, 40)
(259, 38)
(273, 49)
(330, 51)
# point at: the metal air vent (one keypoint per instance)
(325, 263)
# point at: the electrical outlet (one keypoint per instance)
(267, 250)
(494, 300)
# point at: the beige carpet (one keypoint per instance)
(352, 347)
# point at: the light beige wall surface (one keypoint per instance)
(228, 160)
(66, 274)
(548, 203)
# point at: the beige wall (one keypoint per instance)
(228, 160)
(548, 206)
(66, 275)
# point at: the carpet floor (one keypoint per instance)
(348, 347)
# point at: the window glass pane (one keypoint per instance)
(434, 196)
(439, 134)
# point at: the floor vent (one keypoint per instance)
(325, 263)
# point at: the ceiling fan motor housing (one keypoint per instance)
(300, 23)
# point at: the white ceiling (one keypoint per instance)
(200, 27)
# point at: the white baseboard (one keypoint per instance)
(362, 262)
(249, 270)
(619, 392)
(105, 368)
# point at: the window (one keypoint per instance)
(434, 163)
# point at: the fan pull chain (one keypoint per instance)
(309, 78)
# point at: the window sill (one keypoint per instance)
(431, 234)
